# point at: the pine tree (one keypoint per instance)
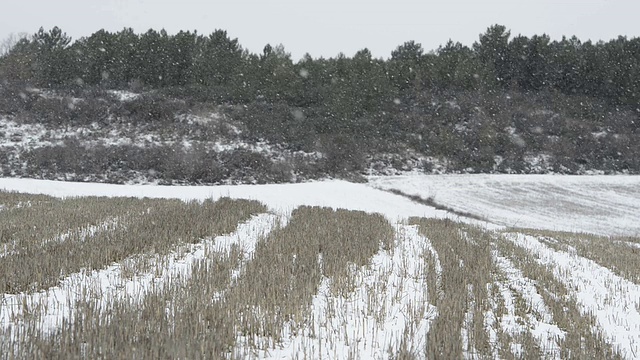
(492, 50)
(52, 63)
(405, 64)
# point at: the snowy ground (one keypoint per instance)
(278, 197)
(598, 204)
(603, 205)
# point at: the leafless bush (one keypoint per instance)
(148, 109)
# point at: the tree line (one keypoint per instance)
(361, 83)
(489, 107)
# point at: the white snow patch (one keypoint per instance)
(629, 243)
(278, 197)
(600, 134)
(13, 134)
(469, 349)
(124, 95)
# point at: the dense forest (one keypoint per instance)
(490, 107)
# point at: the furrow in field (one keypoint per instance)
(620, 255)
(272, 291)
(317, 256)
(526, 310)
(387, 314)
(597, 309)
(459, 330)
(105, 286)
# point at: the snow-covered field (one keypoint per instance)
(375, 321)
(278, 197)
(604, 205)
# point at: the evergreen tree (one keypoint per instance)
(622, 70)
(593, 69)
(456, 67)
(181, 53)
(152, 58)
(405, 65)
(565, 65)
(126, 70)
(371, 88)
(52, 63)
(18, 65)
(537, 64)
(217, 60)
(492, 50)
(276, 77)
(313, 86)
(95, 57)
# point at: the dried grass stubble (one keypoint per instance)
(42, 255)
(41, 219)
(465, 257)
(174, 321)
(153, 226)
(614, 253)
(582, 339)
(11, 199)
(191, 319)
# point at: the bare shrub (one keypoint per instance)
(149, 108)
